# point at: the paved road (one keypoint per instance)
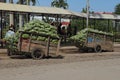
(88, 70)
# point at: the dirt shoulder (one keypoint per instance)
(19, 61)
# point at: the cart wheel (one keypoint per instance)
(98, 49)
(37, 54)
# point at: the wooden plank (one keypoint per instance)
(58, 46)
(39, 42)
(53, 45)
(47, 47)
(19, 42)
(29, 44)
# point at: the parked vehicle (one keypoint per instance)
(94, 39)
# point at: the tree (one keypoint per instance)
(117, 9)
(60, 4)
(26, 2)
(84, 10)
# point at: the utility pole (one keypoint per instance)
(88, 6)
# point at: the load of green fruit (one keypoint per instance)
(81, 37)
(40, 27)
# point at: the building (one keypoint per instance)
(2, 0)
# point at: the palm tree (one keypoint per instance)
(60, 4)
(55, 3)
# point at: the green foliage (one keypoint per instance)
(117, 9)
(84, 10)
(60, 4)
(101, 25)
(77, 23)
(117, 36)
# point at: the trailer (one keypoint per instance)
(34, 48)
(97, 42)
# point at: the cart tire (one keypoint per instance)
(98, 49)
(37, 54)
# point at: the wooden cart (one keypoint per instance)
(34, 48)
(97, 42)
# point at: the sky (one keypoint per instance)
(77, 5)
